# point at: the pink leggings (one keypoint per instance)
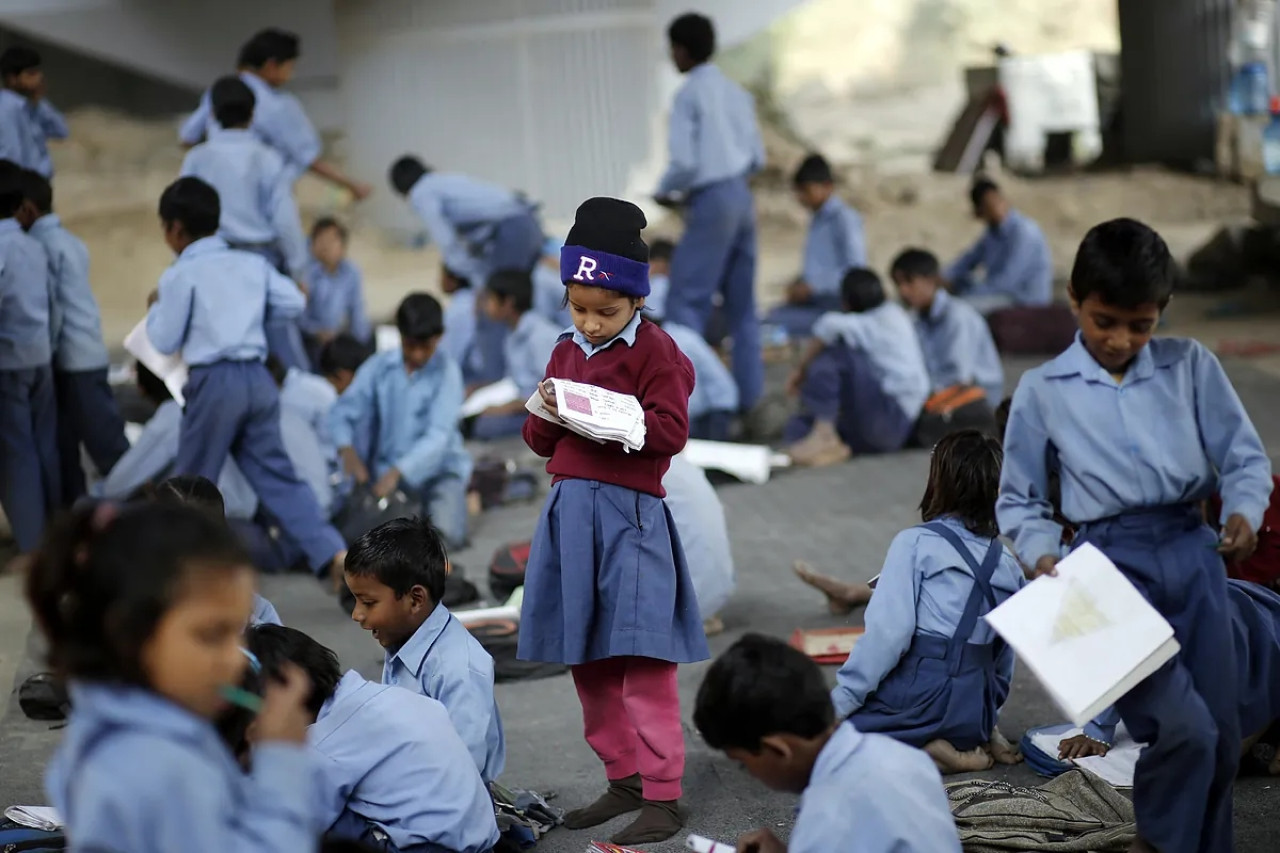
(631, 715)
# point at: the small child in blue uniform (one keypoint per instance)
(1010, 264)
(27, 120)
(211, 307)
(87, 412)
(144, 610)
(1142, 431)
(765, 705)
(929, 672)
(392, 769)
(607, 590)
(335, 297)
(396, 573)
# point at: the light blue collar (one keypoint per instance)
(627, 336)
(415, 649)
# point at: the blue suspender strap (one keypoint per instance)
(981, 589)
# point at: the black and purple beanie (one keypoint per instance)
(604, 248)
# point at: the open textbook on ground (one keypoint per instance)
(170, 369)
(594, 412)
(1088, 635)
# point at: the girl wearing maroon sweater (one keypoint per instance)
(607, 590)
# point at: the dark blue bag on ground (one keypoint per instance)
(15, 838)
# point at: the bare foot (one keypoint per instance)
(842, 597)
(712, 625)
(1001, 750)
(951, 760)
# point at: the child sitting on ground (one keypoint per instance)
(766, 706)
(397, 573)
(929, 672)
(862, 382)
(335, 298)
(392, 767)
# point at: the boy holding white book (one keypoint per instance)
(1140, 432)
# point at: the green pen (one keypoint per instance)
(241, 698)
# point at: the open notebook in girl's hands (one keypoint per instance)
(1087, 634)
(593, 412)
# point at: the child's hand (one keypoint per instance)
(794, 381)
(547, 392)
(153, 297)
(1081, 746)
(361, 190)
(1046, 565)
(387, 483)
(760, 841)
(353, 465)
(1238, 539)
(284, 716)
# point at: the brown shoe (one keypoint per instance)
(623, 797)
(656, 822)
(821, 447)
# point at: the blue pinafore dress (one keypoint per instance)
(947, 689)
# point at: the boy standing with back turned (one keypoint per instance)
(1141, 431)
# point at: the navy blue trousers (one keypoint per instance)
(30, 477)
(233, 409)
(1187, 712)
(88, 417)
(841, 385)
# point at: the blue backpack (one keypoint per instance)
(15, 838)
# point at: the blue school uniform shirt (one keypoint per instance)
(460, 213)
(278, 120)
(548, 295)
(264, 612)
(18, 135)
(25, 332)
(136, 772)
(391, 757)
(459, 325)
(77, 323)
(869, 793)
(416, 417)
(214, 301)
(335, 302)
(886, 335)
(712, 133)
(310, 461)
(958, 347)
(255, 188)
(312, 398)
(835, 244)
(46, 123)
(444, 661)
(924, 586)
(527, 349)
(1172, 431)
(1015, 260)
(713, 387)
(700, 521)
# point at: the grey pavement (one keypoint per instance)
(839, 519)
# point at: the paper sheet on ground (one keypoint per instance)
(750, 463)
(499, 393)
(594, 412)
(1088, 635)
(386, 338)
(43, 818)
(1115, 768)
(170, 369)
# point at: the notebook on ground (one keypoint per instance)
(1088, 635)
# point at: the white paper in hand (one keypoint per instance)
(1088, 635)
(535, 407)
(170, 369)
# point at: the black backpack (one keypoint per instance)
(500, 638)
(16, 838)
(44, 697)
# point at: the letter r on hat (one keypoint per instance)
(586, 267)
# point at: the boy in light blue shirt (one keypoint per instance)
(765, 705)
(87, 411)
(335, 298)
(548, 289)
(27, 120)
(1010, 264)
(414, 396)
(397, 573)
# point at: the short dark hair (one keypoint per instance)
(515, 285)
(979, 189)
(814, 170)
(1125, 263)
(402, 553)
(17, 59)
(275, 646)
(696, 34)
(964, 481)
(342, 353)
(1002, 416)
(761, 687)
(269, 45)
(194, 204)
(100, 585)
(11, 194)
(191, 490)
(232, 101)
(661, 249)
(151, 386)
(915, 263)
(861, 290)
(324, 223)
(420, 317)
(37, 190)
(406, 172)
(276, 368)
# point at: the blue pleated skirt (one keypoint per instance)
(607, 577)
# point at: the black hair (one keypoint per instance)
(276, 368)
(342, 353)
(191, 490)
(234, 722)
(37, 190)
(861, 290)
(152, 386)
(515, 285)
(11, 184)
(1125, 263)
(964, 481)
(406, 172)
(269, 45)
(232, 101)
(274, 646)
(194, 204)
(402, 553)
(661, 249)
(978, 191)
(17, 59)
(761, 687)
(696, 34)
(104, 577)
(1002, 416)
(324, 223)
(915, 263)
(420, 317)
(814, 170)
